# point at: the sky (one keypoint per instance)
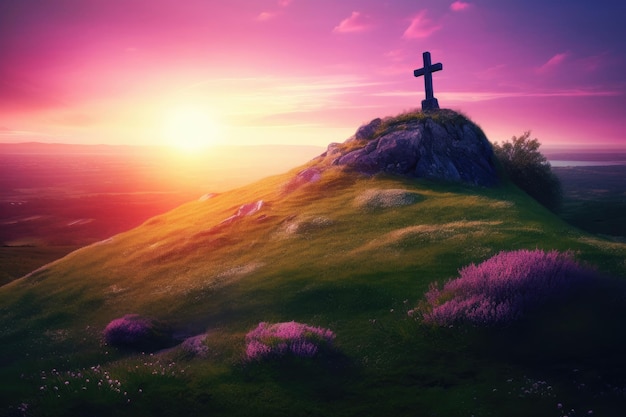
(307, 72)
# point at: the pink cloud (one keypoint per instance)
(553, 62)
(396, 55)
(459, 6)
(594, 62)
(357, 22)
(263, 16)
(476, 96)
(420, 27)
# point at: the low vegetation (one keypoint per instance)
(290, 338)
(504, 288)
(530, 170)
(139, 333)
(404, 120)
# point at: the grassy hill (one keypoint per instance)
(331, 252)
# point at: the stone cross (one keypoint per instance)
(431, 102)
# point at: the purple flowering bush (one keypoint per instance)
(135, 332)
(288, 338)
(503, 288)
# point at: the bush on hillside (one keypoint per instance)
(503, 288)
(138, 333)
(530, 170)
(288, 338)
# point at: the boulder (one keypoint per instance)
(438, 145)
(367, 130)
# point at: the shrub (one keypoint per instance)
(530, 170)
(135, 332)
(288, 338)
(503, 288)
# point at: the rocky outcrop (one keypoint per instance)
(303, 177)
(439, 145)
(244, 210)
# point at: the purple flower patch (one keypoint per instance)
(503, 288)
(288, 338)
(136, 332)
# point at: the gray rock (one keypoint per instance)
(454, 149)
(368, 130)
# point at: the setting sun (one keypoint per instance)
(190, 129)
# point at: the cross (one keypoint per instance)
(431, 102)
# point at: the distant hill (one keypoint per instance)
(331, 246)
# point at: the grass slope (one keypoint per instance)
(318, 256)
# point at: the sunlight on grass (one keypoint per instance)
(310, 254)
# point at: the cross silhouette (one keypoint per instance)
(431, 102)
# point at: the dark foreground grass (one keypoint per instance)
(357, 273)
(17, 261)
(595, 198)
(404, 368)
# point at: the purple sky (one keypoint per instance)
(307, 71)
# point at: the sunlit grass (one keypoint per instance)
(313, 255)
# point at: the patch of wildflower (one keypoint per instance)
(564, 412)
(530, 388)
(58, 383)
(136, 332)
(98, 381)
(288, 338)
(503, 288)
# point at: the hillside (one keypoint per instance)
(55, 198)
(329, 246)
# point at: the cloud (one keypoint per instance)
(264, 16)
(77, 119)
(260, 97)
(552, 63)
(487, 95)
(15, 133)
(420, 27)
(357, 22)
(459, 6)
(475, 96)
(396, 55)
(595, 62)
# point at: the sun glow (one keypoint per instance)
(190, 129)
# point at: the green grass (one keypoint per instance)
(17, 261)
(356, 272)
(403, 121)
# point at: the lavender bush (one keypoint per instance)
(136, 332)
(503, 288)
(288, 338)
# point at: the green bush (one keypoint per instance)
(530, 170)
